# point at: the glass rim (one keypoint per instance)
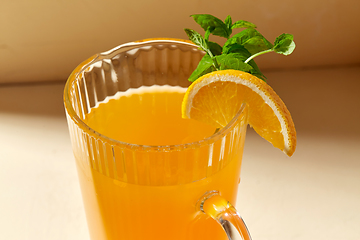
(70, 111)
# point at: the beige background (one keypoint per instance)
(315, 194)
(44, 40)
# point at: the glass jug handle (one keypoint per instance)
(224, 213)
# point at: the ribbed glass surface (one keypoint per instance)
(131, 66)
(138, 192)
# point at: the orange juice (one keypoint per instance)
(139, 192)
(147, 116)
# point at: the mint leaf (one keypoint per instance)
(284, 44)
(245, 54)
(208, 32)
(233, 48)
(207, 20)
(205, 66)
(233, 61)
(228, 23)
(251, 39)
(256, 71)
(196, 38)
(257, 44)
(215, 48)
(243, 24)
(238, 51)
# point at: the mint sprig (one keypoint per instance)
(238, 51)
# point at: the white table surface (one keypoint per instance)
(313, 195)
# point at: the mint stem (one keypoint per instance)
(215, 63)
(258, 54)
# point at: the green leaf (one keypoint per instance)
(251, 39)
(284, 44)
(207, 20)
(208, 32)
(245, 54)
(228, 23)
(196, 38)
(243, 24)
(215, 48)
(236, 48)
(239, 51)
(257, 44)
(205, 66)
(233, 61)
(256, 71)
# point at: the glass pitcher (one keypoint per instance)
(131, 191)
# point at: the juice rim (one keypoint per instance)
(163, 148)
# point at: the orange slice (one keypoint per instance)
(215, 98)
